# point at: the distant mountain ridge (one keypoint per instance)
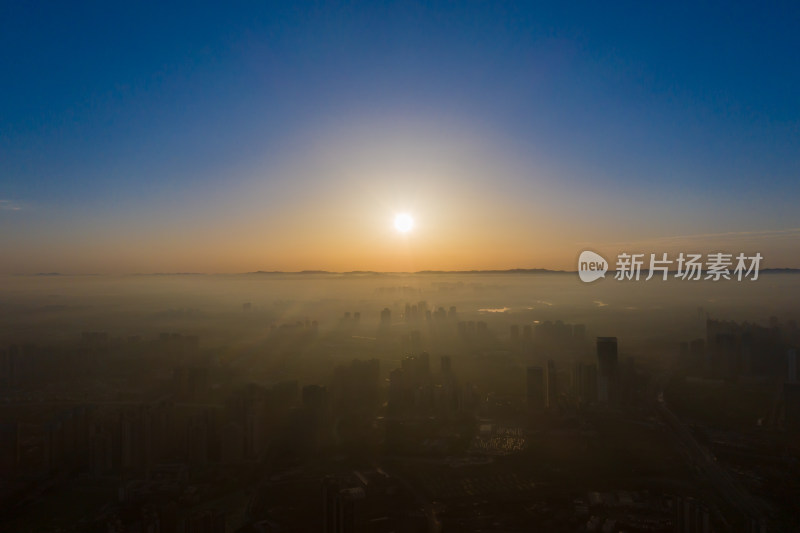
(490, 271)
(377, 273)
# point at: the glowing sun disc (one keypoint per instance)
(403, 223)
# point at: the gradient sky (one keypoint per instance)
(285, 136)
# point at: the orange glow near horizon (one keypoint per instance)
(339, 208)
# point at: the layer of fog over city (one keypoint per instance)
(423, 402)
(51, 308)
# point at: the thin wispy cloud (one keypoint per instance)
(682, 239)
(10, 205)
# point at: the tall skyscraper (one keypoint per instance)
(791, 399)
(527, 332)
(584, 382)
(791, 363)
(607, 371)
(691, 516)
(342, 507)
(330, 494)
(447, 365)
(551, 386)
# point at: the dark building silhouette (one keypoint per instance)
(367, 501)
(357, 386)
(315, 397)
(791, 365)
(791, 398)
(607, 370)
(447, 366)
(691, 516)
(584, 382)
(527, 332)
(551, 384)
(735, 349)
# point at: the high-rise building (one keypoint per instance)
(607, 369)
(447, 365)
(527, 332)
(9, 366)
(417, 366)
(697, 353)
(791, 399)
(330, 494)
(551, 385)
(691, 516)
(584, 382)
(342, 508)
(357, 385)
(791, 363)
(315, 397)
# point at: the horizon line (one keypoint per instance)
(355, 272)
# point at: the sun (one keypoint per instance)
(403, 223)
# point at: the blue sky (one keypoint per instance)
(112, 117)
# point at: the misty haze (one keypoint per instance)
(396, 402)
